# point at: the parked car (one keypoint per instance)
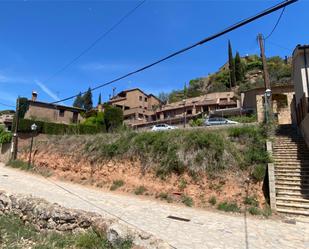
(162, 127)
(218, 121)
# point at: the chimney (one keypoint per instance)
(34, 96)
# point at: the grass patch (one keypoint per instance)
(187, 200)
(165, 196)
(251, 200)
(182, 184)
(15, 234)
(258, 172)
(254, 210)
(117, 184)
(244, 119)
(212, 200)
(140, 190)
(19, 164)
(228, 207)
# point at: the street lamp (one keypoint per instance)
(267, 96)
(33, 129)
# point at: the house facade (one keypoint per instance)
(54, 113)
(300, 78)
(6, 119)
(141, 109)
(282, 103)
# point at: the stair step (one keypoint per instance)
(294, 206)
(295, 212)
(297, 179)
(284, 194)
(292, 199)
(297, 189)
(296, 184)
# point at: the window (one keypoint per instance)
(146, 99)
(140, 98)
(61, 113)
(75, 117)
(145, 108)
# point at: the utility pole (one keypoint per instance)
(268, 105)
(15, 136)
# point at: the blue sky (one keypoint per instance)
(40, 37)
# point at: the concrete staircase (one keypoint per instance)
(291, 159)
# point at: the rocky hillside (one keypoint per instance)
(251, 74)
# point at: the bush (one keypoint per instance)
(140, 190)
(57, 129)
(251, 200)
(188, 201)
(196, 122)
(258, 172)
(182, 184)
(254, 211)
(212, 200)
(165, 196)
(19, 164)
(5, 137)
(228, 207)
(117, 184)
(244, 119)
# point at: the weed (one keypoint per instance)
(258, 172)
(188, 201)
(165, 196)
(140, 190)
(267, 211)
(251, 200)
(182, 184)
(212, 200)
(254, 210)
(228, 207)
(20, 164)
(117, 184)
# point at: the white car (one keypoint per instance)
(162, 127)
(219, 121)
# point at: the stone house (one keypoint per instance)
(54, 113)
(300, 78)
(138, 107)
(6, 119)
(282, 102)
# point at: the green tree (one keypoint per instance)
(164, 97)
(87, 98)
(79, 101)
(231, 66)
(100, 100)
(185, 91)
(23, 106)
(239, 69)
(113, 117)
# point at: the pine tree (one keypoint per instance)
(239, 70)
(100, 100)
(88, 100)
(79, 101)
(231, 66)
(185, 91)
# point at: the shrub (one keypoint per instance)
(117, 184)
(228, 207)
(196, 122)
(182, 184)
(165, 196)
(258, 172)
(19, 164)
(188, 201)
(140, 190)
(251, 200)
(212, 200)
(254, 210)
(5, 137)
(244, 119)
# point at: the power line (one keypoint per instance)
(277, 23)
(96, 41)
(7, 105)
(212, 37)
(279, 46)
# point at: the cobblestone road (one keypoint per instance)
(204, 230)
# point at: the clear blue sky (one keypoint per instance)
(38, 38)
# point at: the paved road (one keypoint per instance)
(204, 230)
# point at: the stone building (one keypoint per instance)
(300, 78)
(282, 102)
(52, 112)
(6, 119)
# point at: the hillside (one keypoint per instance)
(251, 74)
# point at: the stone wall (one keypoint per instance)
(46, 216)
(5, 152)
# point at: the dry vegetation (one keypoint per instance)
(184, 166)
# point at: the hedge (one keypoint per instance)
(57, 129)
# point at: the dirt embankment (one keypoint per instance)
(226, 186)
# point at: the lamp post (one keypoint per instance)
(33, 129)
(185, 113)
(267, 96)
